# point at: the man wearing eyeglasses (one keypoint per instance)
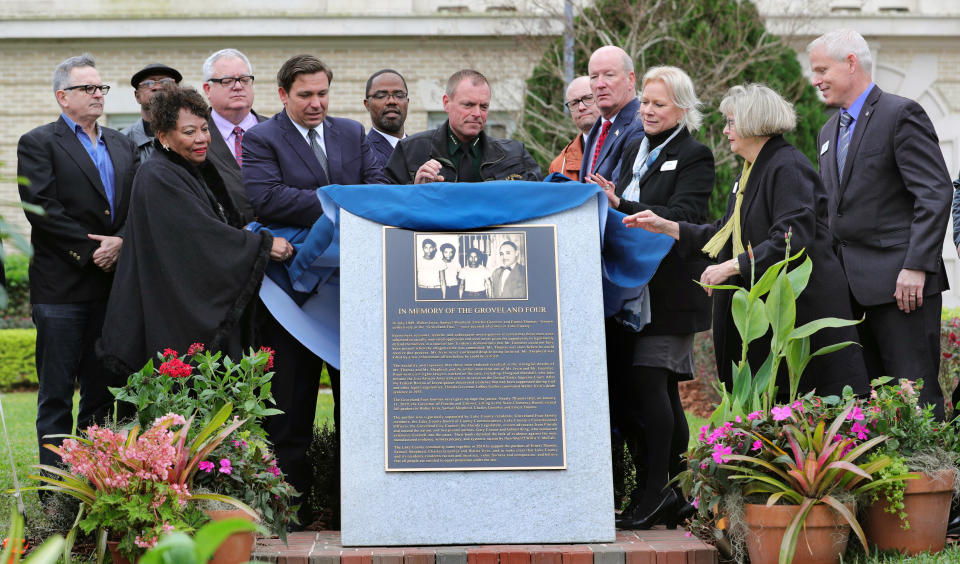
(146, 83)
(579, 100)
(80, 174)
(387, 100)
(228, 84)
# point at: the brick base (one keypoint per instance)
(657, 546)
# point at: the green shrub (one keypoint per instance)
(18, 368)
(17, 312)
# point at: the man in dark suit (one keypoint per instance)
(510, 279)
(889, 203)
(614, 86)
(80, 174)
(285, 160)
(228, 84)
(387, 101)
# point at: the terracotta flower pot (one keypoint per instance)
(115, 553)
(239, 546)
(927, 505)
(823, 539)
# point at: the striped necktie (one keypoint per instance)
(843, 142)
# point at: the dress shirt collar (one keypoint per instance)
(390, 138)
(305, 133)
(857, 105)
(226, 128)
(74, 125)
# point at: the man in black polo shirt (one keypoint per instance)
(459, 150)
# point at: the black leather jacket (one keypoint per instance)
(501, 159)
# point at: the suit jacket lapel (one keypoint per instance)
(858, 129)
(300, 146)
(121, 158)
(617, 129)
(828, 161)
(756, 172)
(332, 140)
(71, 145)
(219, 149)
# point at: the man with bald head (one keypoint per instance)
(614, 86)
(579, 100)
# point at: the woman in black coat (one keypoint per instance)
(672, 174)
(781, 192)
(188, 271)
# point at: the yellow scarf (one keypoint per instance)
(716, 243)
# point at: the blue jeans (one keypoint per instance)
(66, 334)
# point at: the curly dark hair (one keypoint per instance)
(165, 107)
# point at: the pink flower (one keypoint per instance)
(859, 430)
(781, 413)
(195, 348)
(738, 419)
(206, 466)
(274, 470)
(798, 405)
(269, 365)
(170, 353)
(703, 433)
(757, 445)
(720, 452)
(856, 414)
(754, 415)
(907, 387)
(688, 534)
(696, 502)
(225, 467)
(167, 528)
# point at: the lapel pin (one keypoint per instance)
(617, 132)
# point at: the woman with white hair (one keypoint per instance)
(670, 173)
(778, 192)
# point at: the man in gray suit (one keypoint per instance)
(889, 201)
(228, 84)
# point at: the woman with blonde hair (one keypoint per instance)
(778, 192)
(670, 173)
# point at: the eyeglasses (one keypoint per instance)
(90, 88)
(229, 81)
(148, 84)
(400, 95)
(586, 101)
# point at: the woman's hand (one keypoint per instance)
(719, 273)
(653, 223)
(281, 250)
(608, 188)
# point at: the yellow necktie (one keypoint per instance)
(716, 243)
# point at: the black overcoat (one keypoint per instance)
(187, 272)
(783, 193)
(676, 186)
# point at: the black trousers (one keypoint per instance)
(904, 345)
(296, 382)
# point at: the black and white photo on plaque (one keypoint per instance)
(471, 266)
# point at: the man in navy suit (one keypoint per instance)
(285, 160)
(614, 86)
(80, 174)
(889, 202)
(387, 101)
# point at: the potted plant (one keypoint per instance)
(911, 516)
(202, 381)
(776, 479)
(135, 487)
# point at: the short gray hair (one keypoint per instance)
(681, 91)
(208, 64)
(758, 111)
(841, 42)
(61, 74)
(475, 78)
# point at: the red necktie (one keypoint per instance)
(603, 137)
(237, 138)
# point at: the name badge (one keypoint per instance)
(824, 147)
(736, 186)
(669, 165)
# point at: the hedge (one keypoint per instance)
(18, 368)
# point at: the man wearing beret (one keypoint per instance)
(146, 83)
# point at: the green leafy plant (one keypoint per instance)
(137, 486)
(201, 383)
(770, 306)
(180, 548)
(14, 545)
(816, 466)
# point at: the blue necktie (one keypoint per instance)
(843, 142)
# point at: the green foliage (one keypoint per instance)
(18, 366)
(13, 547)
(894, 490)
(16, 312)
(719, 43)
(323, 456)
(180, 548)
